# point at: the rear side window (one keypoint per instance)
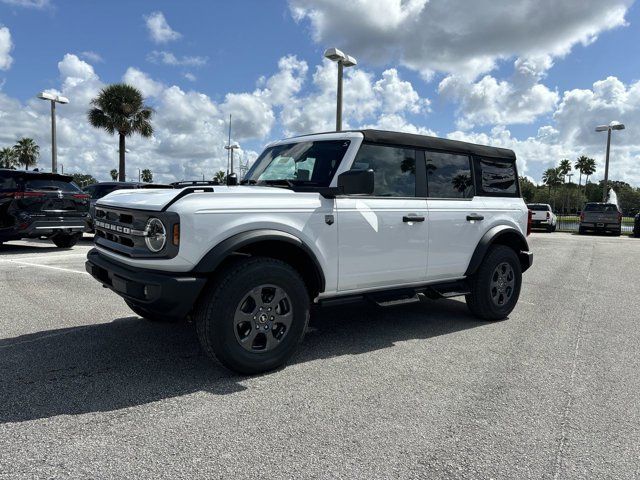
(496, 177)
(394, 169)
(448, 175)
(50, 184)
(8, 184)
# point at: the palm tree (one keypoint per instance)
(551, 178)
(580, 165)
(114, 174)
(461, 182)
(27, 152)
(589, 169)
(120, 109)
(146, 175)
(220, 176)
(564, 168)
(8, 158)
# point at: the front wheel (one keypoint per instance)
(64, 240)
(495, 287)
(254, 315)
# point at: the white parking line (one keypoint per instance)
(18, 262)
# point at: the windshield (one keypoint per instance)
(302, 163)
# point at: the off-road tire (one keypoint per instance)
(215, 310)
(64, 240)
(480, 301)
(147, 315)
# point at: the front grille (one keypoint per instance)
(123, 231)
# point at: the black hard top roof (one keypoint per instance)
(427, 142)
(436, 143)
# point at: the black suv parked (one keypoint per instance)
(38, 204)
(99, 190)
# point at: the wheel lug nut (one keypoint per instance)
(272, 317)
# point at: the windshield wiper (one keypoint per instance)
(248, 182)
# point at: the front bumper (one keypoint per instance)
(526, 260)
(170, 295)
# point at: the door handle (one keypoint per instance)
(412, 218)
(474, 216)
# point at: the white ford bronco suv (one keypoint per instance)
(321, 219)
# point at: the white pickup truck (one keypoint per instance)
(542, 216)
(322, 219)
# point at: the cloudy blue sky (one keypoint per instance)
(532, 75)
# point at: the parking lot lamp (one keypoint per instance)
(231, 148)
(53, 99)
(343, 60)
(608, 128)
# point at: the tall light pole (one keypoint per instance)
(343, 60)
(231, 148)
(53, 99)
(608, 128)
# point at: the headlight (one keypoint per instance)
(156, 235)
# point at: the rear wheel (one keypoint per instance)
(495, 287)
(65, 240)
(147, 315)
(254, 316)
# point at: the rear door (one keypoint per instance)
(51, 196)
(382, 238)
(456, 214)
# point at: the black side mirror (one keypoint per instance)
(355, 182)
(232, 179)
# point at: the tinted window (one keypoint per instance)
(600, 207)
(7, 183)
(102, 190)
(539, 208)
(50, 184)
(394, 169)
(448, 175)
(302, 163)
(497, 177)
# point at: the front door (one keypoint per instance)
(382, 238)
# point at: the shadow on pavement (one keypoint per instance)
(39, 246)
(130, 361)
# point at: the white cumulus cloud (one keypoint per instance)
(457, 36)
(159, 29)
(6, 45)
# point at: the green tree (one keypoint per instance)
(220, 176)
(27, 152)
(564, 168)
(527, 189)
(8, 158)
(146, 175)
(552, 178)
(120, 109)
(83, 179)
(114, 174)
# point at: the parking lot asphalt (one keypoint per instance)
(90, 390)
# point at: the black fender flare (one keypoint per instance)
(505, 235)
(224, 249)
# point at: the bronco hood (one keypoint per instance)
(159, 199)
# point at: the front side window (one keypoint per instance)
(497, 177)
(448, 175)
(302, 163)
(394, 169)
